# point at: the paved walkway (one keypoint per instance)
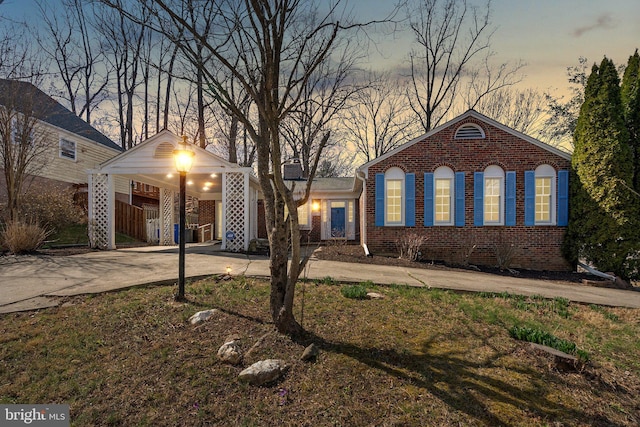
(30, 282)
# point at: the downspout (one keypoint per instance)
(597, 273)
(363, 212)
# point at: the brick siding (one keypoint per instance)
(207, 211)
(535, 247)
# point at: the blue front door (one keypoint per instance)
(338, 222)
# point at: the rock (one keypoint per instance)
(230, 352)
(374, 295)
(310, 353)
(263, 372)
(562, 361)
(201, 316)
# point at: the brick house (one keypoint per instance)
(476, 189)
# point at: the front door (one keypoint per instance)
(338, 222)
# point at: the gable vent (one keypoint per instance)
(163, 151)
(469, 132)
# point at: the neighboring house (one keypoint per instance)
(476, 189)
(74, 146)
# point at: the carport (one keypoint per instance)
(231, 187)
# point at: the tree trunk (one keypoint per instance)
(233, 140)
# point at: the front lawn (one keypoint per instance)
(76, 234)
(417, 357)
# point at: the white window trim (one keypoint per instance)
(394, 174)
(444, 172)
(546, 171)
(304, 210)
(75, 150)
(494, 171)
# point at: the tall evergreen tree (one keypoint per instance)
(630, 94)
(604, 219)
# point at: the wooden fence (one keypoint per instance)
(130, 220)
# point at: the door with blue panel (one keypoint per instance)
(338, 222)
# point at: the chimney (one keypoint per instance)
(292, 170)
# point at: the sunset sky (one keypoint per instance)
(548, 35)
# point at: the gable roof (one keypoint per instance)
(23, 96)
(142, 156)
(468, 114)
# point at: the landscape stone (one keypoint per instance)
(310, 353)
(263, 372)
(201, 316)
(374, 295)
(230, 352)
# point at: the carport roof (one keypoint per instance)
(152, 162)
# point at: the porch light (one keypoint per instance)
(315, 206)
(183, 157)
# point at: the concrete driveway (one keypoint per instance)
(29, 282)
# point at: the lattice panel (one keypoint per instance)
(235, 194)
(99, 223)
(166, 204)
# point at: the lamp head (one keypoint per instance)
(183, 157)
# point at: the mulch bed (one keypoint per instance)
(355, 254)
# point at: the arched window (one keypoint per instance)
(493, 195)
(444, 196)
(394, 196)
(545, 195)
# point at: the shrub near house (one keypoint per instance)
(478, 191)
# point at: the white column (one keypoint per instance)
(247, 211)
(100, 199)
(111, 212)
(235, 210)
(166, 217)
(223, 215)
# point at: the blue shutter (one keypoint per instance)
(379, 199)
(459, 199)
(478, 199)
(428, 199)
(410, 204)
(510, 198)
(563, 198)
(529, 198)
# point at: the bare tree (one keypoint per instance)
(123, 46)
(169, 48)
(68, 40)
(453, 45)
(378, 119)
(521, 110)
(307, 129)
(23, 144)
(231, 135)
(279, 46)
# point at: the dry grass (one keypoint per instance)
(418, 357)
(22, 237)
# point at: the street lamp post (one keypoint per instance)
(183, 157)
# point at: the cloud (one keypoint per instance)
(602, 21)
